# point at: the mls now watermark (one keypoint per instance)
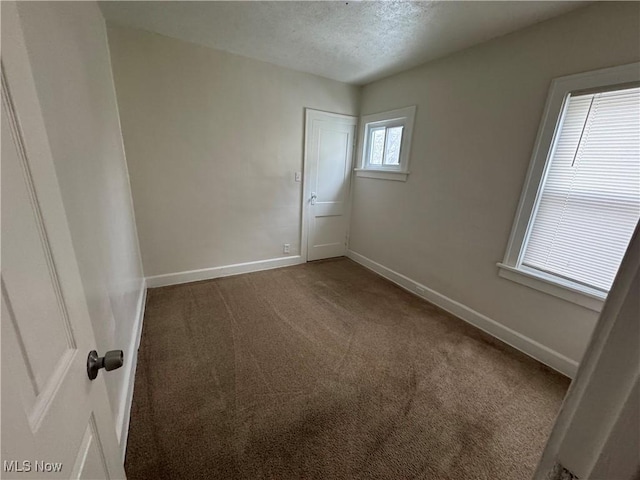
(26, 466)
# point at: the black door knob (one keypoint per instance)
(111, 360)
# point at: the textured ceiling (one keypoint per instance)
(351, 41)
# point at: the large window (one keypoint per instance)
(385, 139)
(585, 202)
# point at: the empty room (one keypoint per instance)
(320, 240)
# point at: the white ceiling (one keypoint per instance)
(351, 41)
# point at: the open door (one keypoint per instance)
(56, 422)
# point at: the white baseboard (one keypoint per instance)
(131, 362)
(534, 349)
(224, 271)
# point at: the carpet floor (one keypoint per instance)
(328, 371)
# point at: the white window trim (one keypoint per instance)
(402, 116)
(511, 267)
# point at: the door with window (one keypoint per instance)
(56, 423)
(328, 159)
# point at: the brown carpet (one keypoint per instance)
(328, 371)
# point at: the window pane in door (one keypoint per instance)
(377, 146)
(394, 139)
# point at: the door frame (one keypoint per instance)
(309, 115)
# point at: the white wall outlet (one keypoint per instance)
(298, 176)
(420, 290)
(286, 248)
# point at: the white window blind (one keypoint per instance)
(589, 203)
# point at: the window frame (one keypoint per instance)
(403, 117)
(511, 267)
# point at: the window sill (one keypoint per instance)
(382, 174)
(558, 287)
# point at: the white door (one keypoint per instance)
(329, 154)
(56, 423)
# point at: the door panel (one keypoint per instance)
(90, 462)
(330, 142)
(328, 229)
(333, 158)
(48, 402)
(31, 283)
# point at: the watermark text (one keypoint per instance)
(26, 466)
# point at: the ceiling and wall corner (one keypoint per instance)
(349, 41)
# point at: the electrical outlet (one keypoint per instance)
(286, 248)
(298, 176)
(420, 290)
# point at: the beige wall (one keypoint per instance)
(69, 56)
(477, 117)
(213, 141)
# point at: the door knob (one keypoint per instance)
(313, 198)
(111, 360)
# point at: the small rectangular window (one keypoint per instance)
(385, 140)
(384, 145)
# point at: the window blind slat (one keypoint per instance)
(590, 201)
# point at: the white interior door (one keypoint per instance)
(56, 423)
(329, 154)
